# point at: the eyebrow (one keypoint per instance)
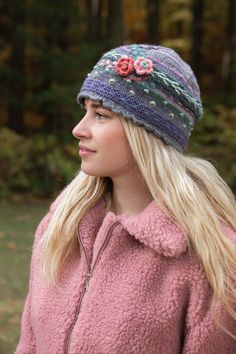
(96, 104)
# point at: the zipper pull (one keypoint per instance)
(86, 283)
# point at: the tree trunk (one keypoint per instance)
(197, 36)
(229, 55)
(94, 11)
(115, 23)
(16, 85)
(153, 8)
(56, 38)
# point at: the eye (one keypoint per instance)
(100, 116)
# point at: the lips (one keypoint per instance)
(85, 148)
(85, 152)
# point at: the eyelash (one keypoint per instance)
(99, 115)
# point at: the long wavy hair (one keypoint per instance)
(189, 189)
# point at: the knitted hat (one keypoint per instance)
(150, 85)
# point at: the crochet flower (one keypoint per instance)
(124, 66)
(143, 66)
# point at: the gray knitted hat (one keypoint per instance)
(152, 86)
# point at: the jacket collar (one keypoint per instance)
(153, 227)
(157, 230)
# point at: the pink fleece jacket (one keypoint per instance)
(133, 288)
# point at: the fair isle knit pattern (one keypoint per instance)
(152, 86)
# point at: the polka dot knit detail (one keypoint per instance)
(151, 85)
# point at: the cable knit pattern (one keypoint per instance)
(147, 294)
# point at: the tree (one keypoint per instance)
(153, 28)
(94, 13)
(12, 70)
(52, 65)
(229, 55)
(197, 36)
(115, 28)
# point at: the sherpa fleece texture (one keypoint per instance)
(147, 293)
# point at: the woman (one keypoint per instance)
(137, 255)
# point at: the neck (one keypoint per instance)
(129, 195)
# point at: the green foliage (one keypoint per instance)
(47, 48)
(214, 139)
(39, 164)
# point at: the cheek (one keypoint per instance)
(113, 156)
(117, 151)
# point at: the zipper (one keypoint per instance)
(88, 277)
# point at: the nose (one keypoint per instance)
(81, 130)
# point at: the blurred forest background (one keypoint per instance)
(46, 49)
(48, 46)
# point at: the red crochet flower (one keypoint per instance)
(124, 66)
(143, 66)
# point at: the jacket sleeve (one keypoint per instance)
(205, 336)
(27, 343)
(202, 334)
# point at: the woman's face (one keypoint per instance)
(104, 149)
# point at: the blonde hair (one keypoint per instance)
(189, 189)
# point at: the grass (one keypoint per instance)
(18, 221)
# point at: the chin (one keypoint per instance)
(92, 172)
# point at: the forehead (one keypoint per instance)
(88, 102)
(93, 103)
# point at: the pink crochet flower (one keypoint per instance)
(143, 66)
(124, 66)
